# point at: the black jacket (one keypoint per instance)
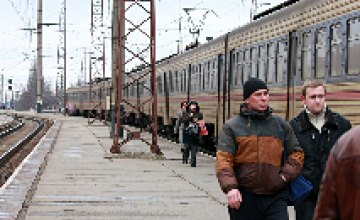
(317, 145)
(188, 117)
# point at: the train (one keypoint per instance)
(284, 46)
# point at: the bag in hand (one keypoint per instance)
(193, 129)
(299, 188)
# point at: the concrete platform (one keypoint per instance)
(80, 179)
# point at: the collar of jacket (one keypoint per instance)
(247, 112)
(329, 120)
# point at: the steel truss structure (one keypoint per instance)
(136, 21)
(97, 61)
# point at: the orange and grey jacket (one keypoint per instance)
(250, 153)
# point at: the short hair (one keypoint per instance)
(182, 103)
(311, 84)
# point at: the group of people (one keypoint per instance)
(259, 154)
(188, 124)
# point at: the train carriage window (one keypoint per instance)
(181, 81)
(320, 50)
(306, 56)
(271, 62)
(171, 84)
(254, 60)
(185, 78)
(159, 84)
(203, 70)
(141, 88)
(200, 73)
(281, 61)
(212, 76)
(247, 65)
(176, 79)
(335, 47)
(233, 69)
(193, 78)
(240, 68)
(208, 73)
(262, 62)
(353, 39)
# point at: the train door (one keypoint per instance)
(291, 72)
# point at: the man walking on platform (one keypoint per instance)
(339, 196)
(317, 128)
(250, 166)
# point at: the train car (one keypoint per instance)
(284, 46)
(79, 103)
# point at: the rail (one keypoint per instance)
(4, 158)
(10, 127)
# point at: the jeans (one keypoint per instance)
(305, 210)
(260, 207)
(193, 149)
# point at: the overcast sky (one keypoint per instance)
(18, 47)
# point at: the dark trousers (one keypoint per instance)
(193, 149)
(260, 207)
(305, 210)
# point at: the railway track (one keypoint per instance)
(17, 141)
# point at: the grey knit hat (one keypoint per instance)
(251, 86)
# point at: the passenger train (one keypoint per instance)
(286, 45)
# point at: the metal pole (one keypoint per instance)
(65, 99)
(154, 147)
(114, 64)
(115, 148)
(90, 85)
(39, 59)
(103, 86)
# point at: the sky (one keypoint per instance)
(18, 46)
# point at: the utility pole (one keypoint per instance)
(65, 95)
(114, 64)
(39, 59)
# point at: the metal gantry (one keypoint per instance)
(97, 59)
(140, 26)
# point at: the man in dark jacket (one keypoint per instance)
(339, 196)
(190, 138)
(249, 160)
(317, 128)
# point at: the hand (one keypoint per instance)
(234, 198)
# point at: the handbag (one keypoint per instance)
(203, 130)
(299, 188)
(192, 129)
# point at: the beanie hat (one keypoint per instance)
(251, 86)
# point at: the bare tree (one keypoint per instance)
(27, 98)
